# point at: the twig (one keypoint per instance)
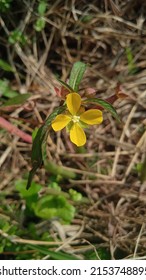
(121, 140)
(138, 240)
(134, 158)
(15, 130)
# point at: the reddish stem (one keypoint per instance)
(15, 130)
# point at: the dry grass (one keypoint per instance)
(93, 33)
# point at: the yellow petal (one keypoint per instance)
(92, 116)
(73, 101)
(60, 122)
(77, 135)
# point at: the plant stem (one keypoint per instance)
(15, 130)
(59, 170)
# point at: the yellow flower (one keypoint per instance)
(76, 118)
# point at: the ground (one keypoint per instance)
(40, 42)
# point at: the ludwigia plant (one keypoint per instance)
(76, 114)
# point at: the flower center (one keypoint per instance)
(75, 119)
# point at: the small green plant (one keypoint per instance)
(99, 254)
(17, 224)
(5, 89)
(16, 36)
(40, 23)
(50, 206)
(131, 64)
(75, 196)
(73, 114)
(86, 18)
(143, 171)
(140, 169)
(5, 5)
(5, 66)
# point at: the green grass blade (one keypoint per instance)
(17, 100)
(143, 171)
(54, 255)
(5, 66)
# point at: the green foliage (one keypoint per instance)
(40, 23)
(4, 225)
(28, 213)
(42, 7)
(140, 169)
(38, 207)
(131, 64)
(99, 254)
(39, 140)
(17, 36)
(48, 206)
(76, 75)
(57, 170)
(53, 255)
(86, 18)
(143, 171)
(17, 100)
(75, 196)
(14, 97)
(54, 206)
(54, 185)
(75, 78)
(6, 91)
(66, 86)
(21, 187)
(5, 5)
(34, 133)
(8, 230)
(5, 66)
(30, 196)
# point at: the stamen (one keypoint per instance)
(76, 119)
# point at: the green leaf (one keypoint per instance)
(5, 90)
(54, 206)
(53, 255)
(42, 8)
(41, 137)
(40, 24)
(143, 171)
(75, 196)
(5, 66)
(99, 254)
(86, 18)
(104, 104)
(16, 36)
(76, 75)
(131, 64)
(4, 225)
(21, 187)
(19, 99)
(65, 85)
(31, 195)
(5, 5)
